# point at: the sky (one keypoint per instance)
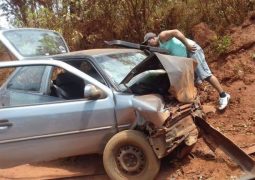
(3, 21)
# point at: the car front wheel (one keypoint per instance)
(128, 155)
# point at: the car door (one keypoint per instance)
(32, 131)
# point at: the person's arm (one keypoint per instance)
(168, 34)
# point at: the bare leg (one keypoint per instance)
(224, 97)
(215, 83)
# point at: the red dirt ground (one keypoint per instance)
(236, 73)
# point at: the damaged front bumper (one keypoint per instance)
(168, 124)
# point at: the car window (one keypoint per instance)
(5, 54)
(66, 85)
(33, 85)
(31, 42)
(27, 79)
(86, 67)
(117, 66)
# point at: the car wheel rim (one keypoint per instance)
(130, 159)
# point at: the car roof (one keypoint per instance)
(85, 53)
(98, 52)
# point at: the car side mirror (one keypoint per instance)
(92, 92)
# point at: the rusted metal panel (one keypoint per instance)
(181, 75)
(218, 140)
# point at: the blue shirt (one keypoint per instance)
(175, 47)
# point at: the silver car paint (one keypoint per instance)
(125, 112)
(54, 130)
(58, 129)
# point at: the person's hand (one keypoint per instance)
(191, 48)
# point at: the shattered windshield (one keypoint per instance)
(32, 42)
(117, 66)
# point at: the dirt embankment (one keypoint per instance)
(236, 71)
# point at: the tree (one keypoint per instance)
(87, 23)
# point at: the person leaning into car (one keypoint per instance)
(178, 45)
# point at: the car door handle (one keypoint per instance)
(4, 124)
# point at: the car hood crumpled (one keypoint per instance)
(181, 75)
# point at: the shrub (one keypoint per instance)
(86, 24)
(221, 45)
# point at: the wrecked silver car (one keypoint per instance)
(96, 94)
(133, 106)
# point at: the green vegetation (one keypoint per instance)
(221, 44)
(87, 23)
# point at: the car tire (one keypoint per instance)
(128, 155)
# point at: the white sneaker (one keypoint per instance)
(223, 102)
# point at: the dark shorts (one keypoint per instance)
(202, 71)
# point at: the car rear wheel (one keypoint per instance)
(128, 155)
